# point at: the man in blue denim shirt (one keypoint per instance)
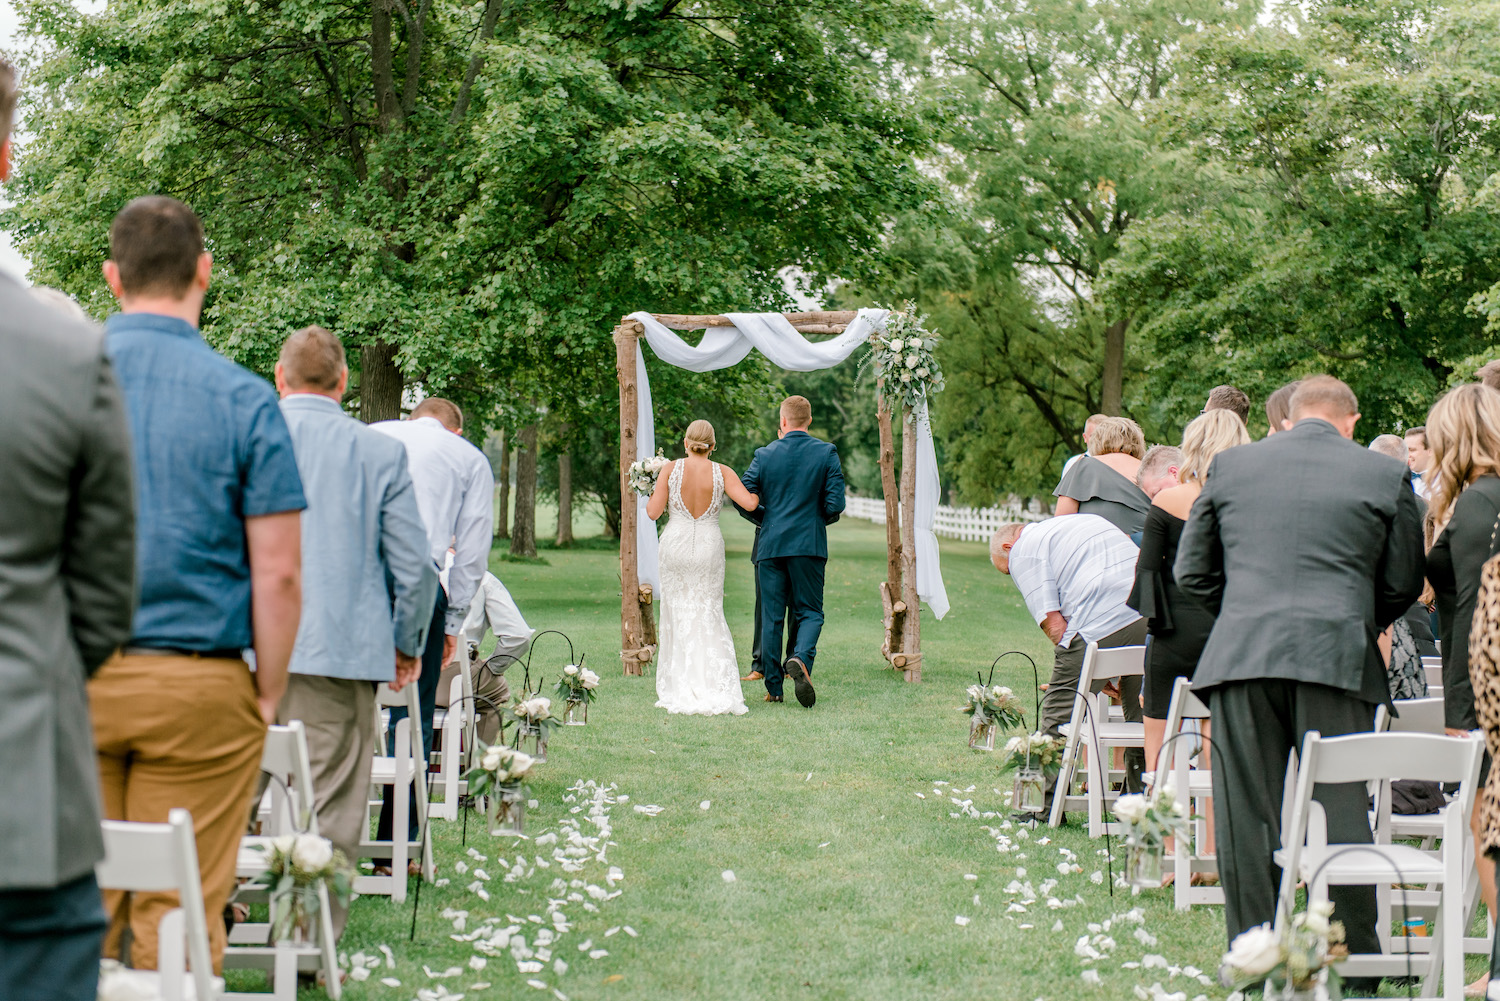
(368, 583)
(179, 719)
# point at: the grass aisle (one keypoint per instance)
(848, 881)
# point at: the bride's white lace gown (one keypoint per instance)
(697, 671)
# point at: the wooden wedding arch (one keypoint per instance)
(901, 647)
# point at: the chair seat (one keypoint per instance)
(145, 985)
(1362, 867)
(251, 860)
(383, 771)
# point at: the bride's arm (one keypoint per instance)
(742, 498)
(658, 502)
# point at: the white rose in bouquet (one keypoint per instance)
(906, 377)
(519, 764)
(1316, 920)
(491, 759)
(539, 707)
(922, 372)
(1001, 692)
(1131, 808)
(915, 344)
(895, 344)
(571, 670)
(976, 693)
(912, 361)
(1016, 746)
(590, 679)
(1254, 953)
(284, 844)
(312, 853)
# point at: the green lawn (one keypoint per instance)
(850, 871)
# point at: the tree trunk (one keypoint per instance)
(523, 533)
(1112, 392)
(611, 518)
(380, 383)
(564, 500)
(502, 522)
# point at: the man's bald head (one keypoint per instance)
(1005, 536)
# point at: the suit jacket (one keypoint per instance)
(801, 488)
(1306, 546)
(67, 567)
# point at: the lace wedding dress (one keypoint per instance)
(697, 672)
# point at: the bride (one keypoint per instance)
(697, 671)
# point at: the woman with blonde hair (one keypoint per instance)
(1103, 482)
(1177, 625)
(697, 671)
(1463, 521)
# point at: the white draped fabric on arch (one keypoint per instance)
(774, 336)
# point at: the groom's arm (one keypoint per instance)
(833, 487)
(751, 482)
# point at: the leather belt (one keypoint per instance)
(155, 651)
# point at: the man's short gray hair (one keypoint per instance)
(1005, 533)
(1390, 444)
(1159, 458)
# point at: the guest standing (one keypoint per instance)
(1306, 546)
(1074, 574)
(493, 612)
(179, 718)
(1177, 624)
(368, 584)
(1159, 470)
(1231, 399)
(1489, 374)
(1419, 458)
(1088, 432)
(1103, 482)
(1464, 520)
(1279, 408)
(68, 543)
(455, 495)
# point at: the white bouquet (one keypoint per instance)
(577, 684)
(296, 865)
(903, 354)
(643, 473)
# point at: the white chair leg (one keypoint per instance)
(329, 945)
(402, 812)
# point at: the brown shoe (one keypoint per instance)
(773, 698)
(753, 676)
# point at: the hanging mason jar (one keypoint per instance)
(505, 809)
(1030, 792)
(1143, 863)
(575, 712)
(981, 732)
(532, 739)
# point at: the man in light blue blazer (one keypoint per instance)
(368, 582)
(801, 487)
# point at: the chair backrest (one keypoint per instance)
(1184, 706)
(286, 759)
(1113, 662)
(156, 858)
(385, 698)
(1433, 667)
(1413, 716)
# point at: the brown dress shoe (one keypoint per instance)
(752, 676)
(773, 698)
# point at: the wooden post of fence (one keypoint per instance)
(890, 588)
(911, 632)
(636, 642)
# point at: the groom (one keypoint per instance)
(801, 488)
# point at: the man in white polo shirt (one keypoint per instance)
(1074, 574)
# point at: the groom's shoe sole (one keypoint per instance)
(801, 682)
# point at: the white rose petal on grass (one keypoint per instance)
(1091, 977)
(537, 984)
(960, 920)
(359, 973)
(477, 962)
(390, 981)
(1057, 925)
(598, 953)
(390, 957)
(728, 876)
(529, 966)
(705, 804)
(971, 877)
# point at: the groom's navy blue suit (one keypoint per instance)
(801, 488)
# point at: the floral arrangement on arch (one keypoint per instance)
(577, 684)
(296, 866)
(643, 473)
(1035, 750)
(1296, 960)
(902, 347)
(997, 705)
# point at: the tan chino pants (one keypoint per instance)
(175, 731)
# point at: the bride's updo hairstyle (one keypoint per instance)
(699, 438)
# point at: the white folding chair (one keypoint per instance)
(1093, 728)
(403, 770)
(1307, 856)
(455, 724)
(155, 858)
(1433, 667)
(1193, 788)
(288, 807)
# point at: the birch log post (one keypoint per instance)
(911, 631)
(632, 631)
(891, 590)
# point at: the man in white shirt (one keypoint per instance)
(455, 496)
(492, 611)
(1075, 574)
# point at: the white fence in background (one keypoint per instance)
(968, 524)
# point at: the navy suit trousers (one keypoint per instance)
(790, 587)
(50, 941)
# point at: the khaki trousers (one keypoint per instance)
(174, 731)
(491, 691)
(338, 716)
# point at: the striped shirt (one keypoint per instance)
(1079, 565)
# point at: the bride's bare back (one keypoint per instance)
(698, 487)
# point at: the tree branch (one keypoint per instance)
(492, 9)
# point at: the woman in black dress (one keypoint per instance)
(1463, 520)
(1177, 627)
(1103, 482)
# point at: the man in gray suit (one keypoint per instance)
(67, 561)
(1306, 546)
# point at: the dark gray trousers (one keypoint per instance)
(1257, 724)
(1067, 671)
